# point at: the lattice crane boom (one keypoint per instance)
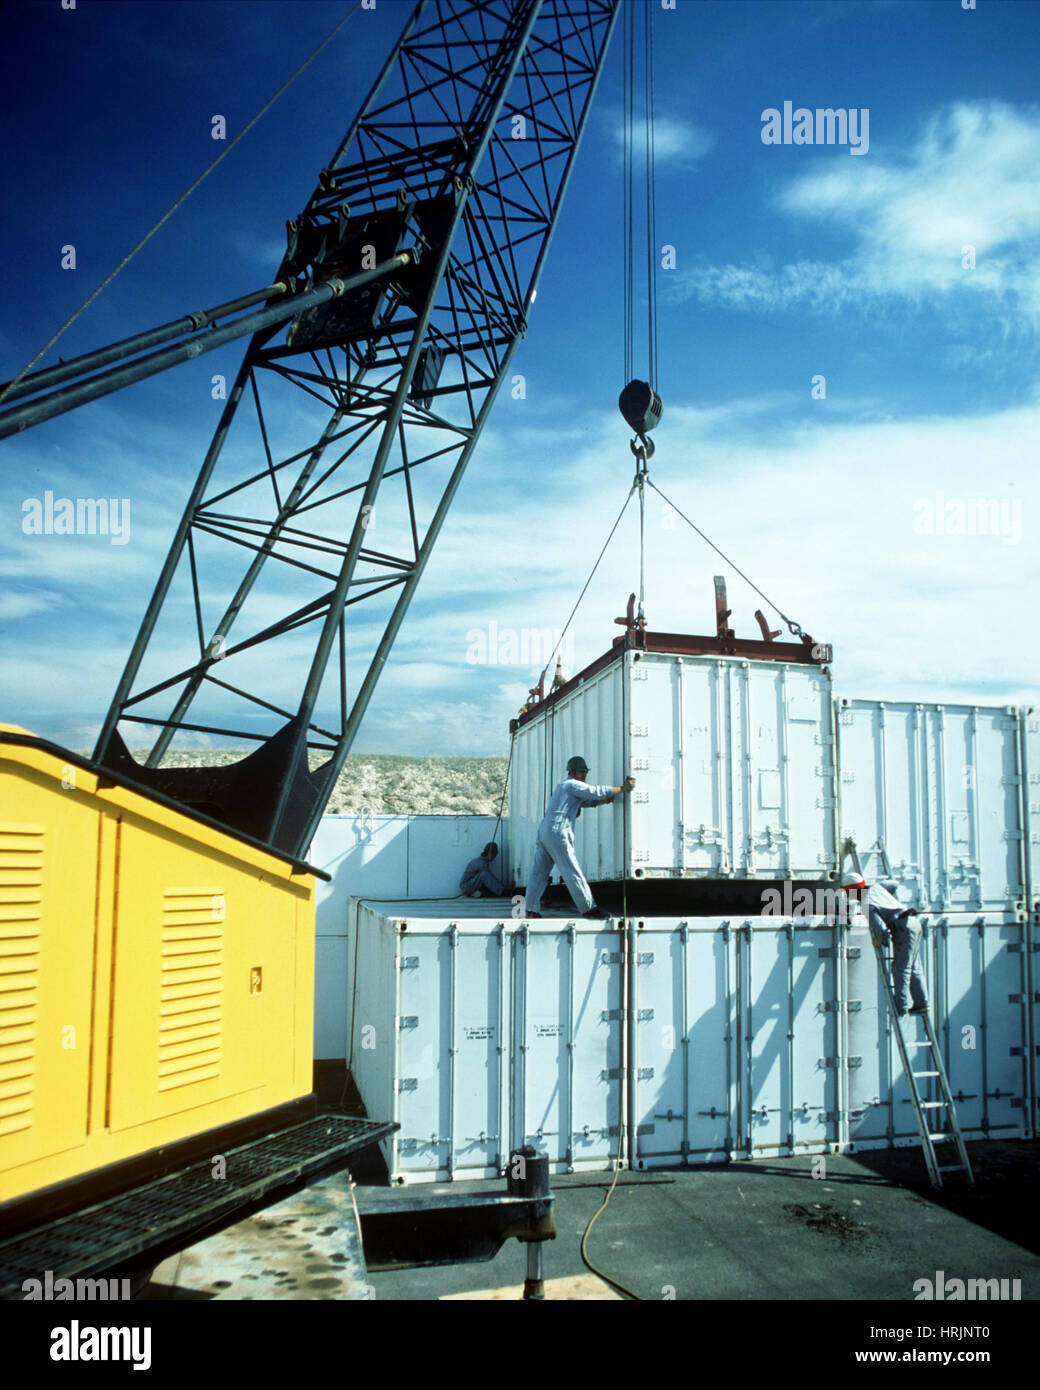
(358, 422)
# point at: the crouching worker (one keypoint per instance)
(886, 913)
(477, 880)
(555, 841)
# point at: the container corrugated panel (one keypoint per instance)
(940, 786)
(789, 1046)
(976, 968)
(737, 1039)
(684, 1042)
(733, 763)
(567, 1043)
(1031, 802)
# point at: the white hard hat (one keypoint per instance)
(851, 879)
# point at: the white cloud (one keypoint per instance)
(821, 515)
(971, 179)
(14, 605)
(676, 142)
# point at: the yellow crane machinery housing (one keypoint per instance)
(156, 972)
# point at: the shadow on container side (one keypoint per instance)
(677, 1041)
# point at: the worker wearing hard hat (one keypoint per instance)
(555, 839)
(886, 913)
(477, 879)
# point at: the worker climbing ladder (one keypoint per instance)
(922, 1061)
(934, 1074)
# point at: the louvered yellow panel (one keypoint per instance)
(21, 897)
(191, 986)
(156, 974)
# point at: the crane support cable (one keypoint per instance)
(5, 392)
(793, 627)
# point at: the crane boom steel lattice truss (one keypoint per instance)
(461, 156)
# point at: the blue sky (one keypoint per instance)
(791, 262)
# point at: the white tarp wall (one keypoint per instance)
(380, 857)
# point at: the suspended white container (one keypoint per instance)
(733, 761)
(940, 785)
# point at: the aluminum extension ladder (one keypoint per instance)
(936, 1072)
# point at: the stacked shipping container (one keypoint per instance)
(727, 1036)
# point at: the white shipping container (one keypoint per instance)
(733, 761)
(737, 1039)
(479, 1036)
(939, 785)
(976, 969)
(743, 1038)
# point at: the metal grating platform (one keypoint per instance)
(153, 1220)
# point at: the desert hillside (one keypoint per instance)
(387, 785)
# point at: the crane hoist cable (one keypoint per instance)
(641, 407)
(9, 387)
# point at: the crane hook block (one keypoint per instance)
(641, 406)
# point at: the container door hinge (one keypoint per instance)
(644, 1015)
(1033, 998)
(611, 1015)
(644, 1129)
(408, 1021)
(645, 958)
(407, 1083)
(408, 962)
(833, 952)
(610, 958)
(610, 1074)
(645, 1074)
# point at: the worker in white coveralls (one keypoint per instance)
(886, 913)
(478, 880)
(555, 840)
